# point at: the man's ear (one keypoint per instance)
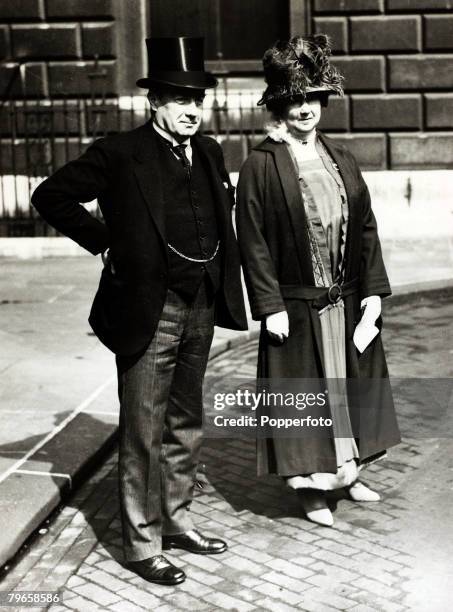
(153, 100)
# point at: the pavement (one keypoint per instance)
(58, 406)
(59, 411)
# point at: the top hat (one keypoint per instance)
(297, 67)
(177, 61)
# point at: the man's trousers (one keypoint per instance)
(161, 425)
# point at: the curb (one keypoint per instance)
(68, 459)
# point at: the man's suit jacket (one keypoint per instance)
(123, 172)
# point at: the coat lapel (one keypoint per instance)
(291, 190)
(147, 172)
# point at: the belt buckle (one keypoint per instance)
(334, 293)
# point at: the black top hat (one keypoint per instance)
(177, 61)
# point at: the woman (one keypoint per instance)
(315, 278)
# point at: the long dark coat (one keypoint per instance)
(275, 250)
(123, 173)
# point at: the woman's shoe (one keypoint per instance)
(360, 493)
(315, 507)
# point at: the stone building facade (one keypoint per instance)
(396, 55)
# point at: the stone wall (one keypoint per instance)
(396, 55)
(57, 41)
(397, 59)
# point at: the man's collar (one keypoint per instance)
(169, 137)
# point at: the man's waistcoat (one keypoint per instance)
(191, 224)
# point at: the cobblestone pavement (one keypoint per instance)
(391, 556)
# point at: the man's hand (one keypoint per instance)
(277, 325)
(107, 261)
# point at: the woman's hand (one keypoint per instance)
(366, 330)
(277, 325)
(372, 312)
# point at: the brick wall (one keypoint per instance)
(57, 41)
(397, 59)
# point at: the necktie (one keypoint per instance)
(180, 151)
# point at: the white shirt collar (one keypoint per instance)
(173, 140)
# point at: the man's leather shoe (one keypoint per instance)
(157, 569)
(193, 541)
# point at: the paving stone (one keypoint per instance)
(250, 553)
(84, 605)
(244, 565)
(311, 605)
(140, 597)
(377, 588)
(327, 597)
(206, 563)
(275, 606)
(97, 594)
(204, 577)
(127, 606)
(107, 580)
(380, 603)
(340, 572)
(226, 602)
(293, 584)
(294, 571)
(165, 608)
(194, 588)
(184, 601)
(75, 581)
(224, 519)
(113, 567)
(273, 590)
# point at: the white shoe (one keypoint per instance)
(360, 493)
(315, 508)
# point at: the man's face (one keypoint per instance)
(178, 111)
(302, 117)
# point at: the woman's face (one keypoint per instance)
(302, 117)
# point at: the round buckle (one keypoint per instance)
(334, 293)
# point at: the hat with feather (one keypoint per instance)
(299, 66)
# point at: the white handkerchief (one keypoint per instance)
(363, 335)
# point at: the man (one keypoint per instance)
(171, 270)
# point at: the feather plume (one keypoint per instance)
(292, 67)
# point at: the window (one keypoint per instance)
(238, 29)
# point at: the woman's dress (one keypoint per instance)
(326, 210)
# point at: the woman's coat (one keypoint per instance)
(273, 239)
